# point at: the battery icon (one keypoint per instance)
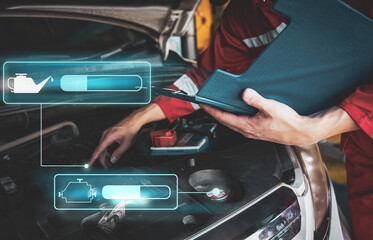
(126, 192)
(101, 83)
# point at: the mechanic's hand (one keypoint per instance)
(275, 121)
(122, 133)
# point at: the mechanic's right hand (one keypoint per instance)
(123, 133)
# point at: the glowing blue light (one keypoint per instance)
(72, 193)
(136, 192)
(215, 191)
(79, 82)
(101, 83)
(78, 192)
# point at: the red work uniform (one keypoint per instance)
(246, 28)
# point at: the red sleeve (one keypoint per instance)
(359, 105)
(174, 108)
(226, 52)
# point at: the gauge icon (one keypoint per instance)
(101, 83)
(132, 192)
(139, 191)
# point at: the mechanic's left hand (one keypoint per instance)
(275, 121)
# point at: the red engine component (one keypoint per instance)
(163, 138)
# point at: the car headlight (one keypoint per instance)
(310, 160)
(285, 226)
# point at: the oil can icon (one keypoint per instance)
(24, 84)
(78, 192)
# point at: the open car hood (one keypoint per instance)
(159, 19)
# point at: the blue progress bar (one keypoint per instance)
(101, 83)
(136, 192)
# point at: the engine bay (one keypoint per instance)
(242, 169)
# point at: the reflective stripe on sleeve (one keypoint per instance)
(265, 38)
(186, 84)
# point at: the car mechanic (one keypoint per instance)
(246, 28)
